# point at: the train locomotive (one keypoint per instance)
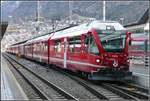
(97, 50)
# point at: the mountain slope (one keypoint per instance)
(129, 10)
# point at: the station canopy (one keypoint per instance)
(3, 28)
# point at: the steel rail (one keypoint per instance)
(56, 88)
(139, 88)
(87, 87)
(35, 88)
(118, 92)
(132, 93)
(124, 93)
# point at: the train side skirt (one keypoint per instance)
(111, 75)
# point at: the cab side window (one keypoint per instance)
(90, 45)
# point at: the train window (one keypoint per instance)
(71, 44)
(34, 47)
(92, 46)
(57, 46)
(45, 48)
(86, 40)
(42, 46)
(75, 44)
(37, 47)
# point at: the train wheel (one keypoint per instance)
(85, 75)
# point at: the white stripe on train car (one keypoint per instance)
(65, 52)
(37, 56)
(72, 62)
(76, 62)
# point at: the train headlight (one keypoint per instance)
(115, 63)
(128, 60)
(98, 60)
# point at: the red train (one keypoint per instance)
(139, 50)
(97, 50)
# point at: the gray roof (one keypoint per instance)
(142, 20)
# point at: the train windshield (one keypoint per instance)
(112, 41)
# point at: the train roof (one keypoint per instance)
(84, 28)
(42, 38)
(78, 30)
(18, 43)
(46, 36)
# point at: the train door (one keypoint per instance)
(32, 50)
(93, 54)
(74, 53)
(56, 56)
(44, 51)
(49, 44)
(40, 51)
(25, 50)
(84, 52)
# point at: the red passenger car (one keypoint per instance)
(97, 50)
(28, 51)
(14, 49)
(40, 48)
(21, 49)
(139, 50)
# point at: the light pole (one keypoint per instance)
(122, 19)
(38, 10)
(10, 18)
(70, 11)
(104, 10)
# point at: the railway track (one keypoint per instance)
(139, 94)
(49, 90)
(133, 92)
(107, 91)
(29, 90)
(134, 87)
(90, 89)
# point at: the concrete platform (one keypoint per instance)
(10, 88)
(141, 75)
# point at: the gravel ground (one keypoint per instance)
(60, 80)
(105, 92)
(44, 87)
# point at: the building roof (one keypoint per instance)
(3, 27)
(146, 27)
(142, 20)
